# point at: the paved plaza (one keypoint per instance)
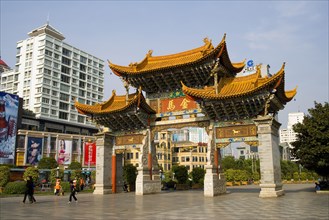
(299, 202)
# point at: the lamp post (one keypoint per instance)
(57, 172)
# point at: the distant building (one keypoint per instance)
(50, 75)
(287, 135)
(3, 66)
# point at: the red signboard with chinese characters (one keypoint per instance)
(90, 154)
(177, 104)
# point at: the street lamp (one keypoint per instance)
(57, 172)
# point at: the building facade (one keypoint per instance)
(288, 135)
(50, 75)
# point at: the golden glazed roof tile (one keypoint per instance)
(232, 87)
(114, 104)
(152, 63)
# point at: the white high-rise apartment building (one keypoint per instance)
(50, 75)
(288, 135)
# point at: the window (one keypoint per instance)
(54, 102)
(47, 62)
(55, 74)
(53, 112)
(66, 52)
(49, 44)
(45, 110)
(65, 69)
(82, 84)
(81, 92)
(55, 84)
(47, 71)
(82, 67)
(54, 93)
(82, 76)
(46, 91)
(65, 78)
(81, 119)
(65, 88)
(66, 61)
(45, 100)
(49, 53)
(83, 59)
(63, 115)
(63, 106)
(64, 97)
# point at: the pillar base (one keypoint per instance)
(214, 184)
(101, 189)
(270, 190)
(144, 185)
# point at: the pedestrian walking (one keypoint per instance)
(58, 187)
(73, 188)
(29, 190)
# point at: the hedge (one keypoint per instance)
(15, 187)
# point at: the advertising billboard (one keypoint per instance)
(34, 150)
(9, 107)
(90, 154)
(64, 152)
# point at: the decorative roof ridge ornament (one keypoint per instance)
(149, 53)
(214, 72)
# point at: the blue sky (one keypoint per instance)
(268, 32)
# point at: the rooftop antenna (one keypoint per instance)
(48, 19)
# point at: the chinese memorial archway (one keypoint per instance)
(200, 87)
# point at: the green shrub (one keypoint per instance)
(15, 187)
(4, 175)
(129, 174)
(75, 165)
(65, 186)
(53, 175)
(181, 174)
(197, 174)
(33, 172)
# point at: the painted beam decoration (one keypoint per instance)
(236, 131)
(129, 139)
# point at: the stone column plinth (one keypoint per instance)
(214, 184)
(144, 184)
(269, 155)
(214, 181)
(104, 145)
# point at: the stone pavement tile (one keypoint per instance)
(299, 202)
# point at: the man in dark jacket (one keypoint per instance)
(29, 190)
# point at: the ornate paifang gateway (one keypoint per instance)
(201, 80)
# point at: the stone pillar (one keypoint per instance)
(146, 181)
(104, 145)
(214, 181)
(269, 154)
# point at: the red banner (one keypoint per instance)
(177, 104)
(90, 154)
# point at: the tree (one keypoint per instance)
(32, 172)
(75, 165)
(181, 173)
(4, 175)
(312, 145)
(130, 174)
(198, 174)
(47, 163)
